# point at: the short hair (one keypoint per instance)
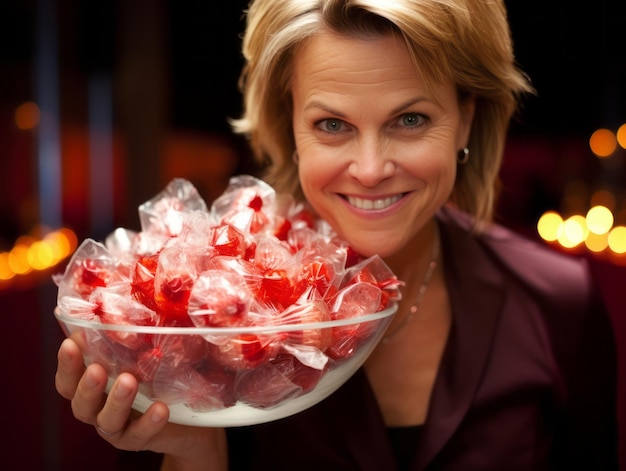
(465, 41)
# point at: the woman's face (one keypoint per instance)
(377, 151)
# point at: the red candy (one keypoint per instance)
(275, 381)
(307, 310)
(227, 240)
(245, 351)
(352, 302)
(219, 299)
(251, 261)
(142, 285)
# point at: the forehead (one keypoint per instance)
(350, 65)
(327, 51)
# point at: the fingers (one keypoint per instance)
(109, 413)
(113, 415)
(89, 396)
(141, 433)
(70, 368)
(114, 423)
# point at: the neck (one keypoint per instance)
(417, 284)
(417, 252)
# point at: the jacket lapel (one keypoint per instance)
(476, 296)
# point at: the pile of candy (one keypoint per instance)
(254, 258)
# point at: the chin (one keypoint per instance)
(370, 247)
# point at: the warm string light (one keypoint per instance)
(595, 230)
(43, 249)
(31, 254)
(604, 142)
(600, 230)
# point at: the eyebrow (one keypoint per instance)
(324, 107)
(331, 110)
(408, 104)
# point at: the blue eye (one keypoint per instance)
(331, 125)
(412, 120)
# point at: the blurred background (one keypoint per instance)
(103, 103)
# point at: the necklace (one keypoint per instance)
(432, 265)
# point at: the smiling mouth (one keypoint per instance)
(373, 204)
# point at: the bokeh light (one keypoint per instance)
(27, 115)
(573, 232)
(30, 254)
(18, 260)
(603, 143)
(597, 232)
(617, 240)
(549, 225)
(599, 220)
(5, 270)
(597, 242)
(621, 136)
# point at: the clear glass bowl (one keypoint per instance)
(226, 377)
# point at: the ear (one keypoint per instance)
(467, 107)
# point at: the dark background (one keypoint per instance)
(572, 50)
(173, 67)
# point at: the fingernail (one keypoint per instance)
(65, 354)
(91, 381)
(122, 390)
(157, 417)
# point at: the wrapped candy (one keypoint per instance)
(219, 299)
(308, 344)
(142, 281)
(90, 267)
(229, 241)
(114, 308)
(250, 270)
(245, 351)
(274, 262)
(199, 391)
(163, 214)
(246, 204)
(375, 271)
(275, 381)
(177, 271)
(352, 302)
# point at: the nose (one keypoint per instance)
(371, 163)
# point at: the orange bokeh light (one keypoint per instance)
(621, 136)
(603, 143)
(30, 254)
(27, 115)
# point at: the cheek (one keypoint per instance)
(445, 176)
(431, 163)
(314, 173)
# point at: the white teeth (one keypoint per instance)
(368, 204)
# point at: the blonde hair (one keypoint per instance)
(466, 41)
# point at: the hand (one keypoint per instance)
(116, 422)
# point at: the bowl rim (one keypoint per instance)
(255, 329)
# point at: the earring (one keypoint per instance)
(463, 156)
(295, 157)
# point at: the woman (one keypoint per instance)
(390, 119)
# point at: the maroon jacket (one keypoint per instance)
(527, 380)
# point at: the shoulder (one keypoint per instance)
(547, 273)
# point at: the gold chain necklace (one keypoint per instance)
(430, 271)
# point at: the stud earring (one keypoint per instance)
(463, 156)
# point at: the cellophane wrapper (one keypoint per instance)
(254, 258)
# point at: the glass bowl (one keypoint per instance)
(231, 376)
